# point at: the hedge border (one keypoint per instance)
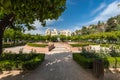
(109, 62)
(21, 61)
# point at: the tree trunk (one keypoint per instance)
(1, 36)
(14, 38)
(6, 21)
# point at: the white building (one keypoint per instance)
(65, 32)
(55, 32)
(48, 32)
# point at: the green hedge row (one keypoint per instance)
(85, 62)
(7, 45)
(105, 45)
(79, 45)
(113, 62)
(36, 45)
(20, 61)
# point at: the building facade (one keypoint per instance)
(55, 32)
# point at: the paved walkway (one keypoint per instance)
(58, 65)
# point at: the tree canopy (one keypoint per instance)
(26, 11)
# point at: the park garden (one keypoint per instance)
(99, 42)
(15, 18)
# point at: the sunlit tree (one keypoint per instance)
(27, 11)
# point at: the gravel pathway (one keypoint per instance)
(57, 66)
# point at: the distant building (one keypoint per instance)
(48, 32)
(65, 32)
(55, 32)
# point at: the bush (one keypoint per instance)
(79, 45)
(7, 45)
(93, 54)
(105, 45)
(20, 61)
(116, 54)
(84, 62)
(36, 45)
(112, 62)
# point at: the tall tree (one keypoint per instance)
(112, 24)
(27, 11)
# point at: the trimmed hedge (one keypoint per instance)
(20, 61)
(7, 45)
(113, 62)
(79, 45)
(105, 45)
(36, 45)
(85, 62)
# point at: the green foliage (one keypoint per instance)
(20, 61)
(32, 64)
(63, 38)
(79, 45)
(40, 10)
(105, 45)
(36, 45)
(111, 59)
(25, 12)
(112, 62)
(113, 24)
(110, 37)
(14, 35)
(54, 38)
(84, 62)
(7, 45)
(114, 53)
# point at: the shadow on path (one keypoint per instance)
(59, 66)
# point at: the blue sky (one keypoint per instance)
(81, 13)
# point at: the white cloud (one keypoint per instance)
(40, 29)
(110, 11)
(50, 22)
(70, 2)
(102, 5)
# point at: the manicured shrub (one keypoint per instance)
(113, 62)
(79, 45)
(105, 45)
(87, 62)
(20, 61)
(116, 54)
(7, 45)
(84, 62)
(36, 45)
